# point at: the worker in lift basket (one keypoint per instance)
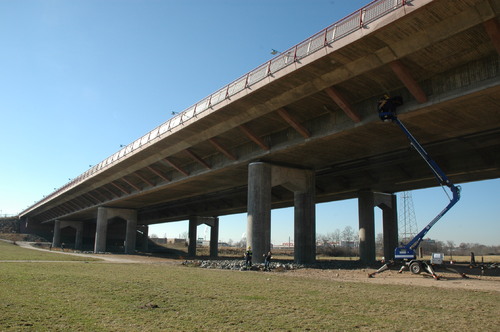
(248, 257)
(387, 107)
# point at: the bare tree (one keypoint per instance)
(324, 239)
(379, 243)
(335, 236)
(348, 234)
(451, 246)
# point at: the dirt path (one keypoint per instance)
(109, 258)
(448, 279)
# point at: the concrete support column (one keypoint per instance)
(130, 234)
(145, 238)
(305, 222)
(366, 227)
(101, 230)
(56, 239)
(259, 210)
(79, 235)
(193, 223)
(388, 204)
(214, 238)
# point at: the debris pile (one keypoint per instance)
(239, 265)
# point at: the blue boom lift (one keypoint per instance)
(406, 253)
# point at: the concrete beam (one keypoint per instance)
(137, 175)
(222, 149)
(117, 186)
(150, 168)
(177, 167)
(113, 195)
(131, 184)
(492, 28)
(198, 159)
(343, 103)
(293, 122)
(256, 139)
(405, 76)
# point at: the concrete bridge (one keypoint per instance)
(302, 129)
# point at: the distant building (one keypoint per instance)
(284, 245)
(349, 244)
(328, 244)
(168, 241)
(175, 241)
(201, 242)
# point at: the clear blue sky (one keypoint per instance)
(79, 78)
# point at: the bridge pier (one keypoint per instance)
(367, 200)
(388, 204)
(59, 225)
(144, 229)
(213, 222)
(101, 230)
(104, 214)
(56, 238)
(130, 234)
(261, 178)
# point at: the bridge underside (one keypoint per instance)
(320, 114)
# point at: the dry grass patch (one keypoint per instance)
(160, 297)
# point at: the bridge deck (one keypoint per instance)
(319, 112)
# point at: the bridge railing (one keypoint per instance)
(324, 38)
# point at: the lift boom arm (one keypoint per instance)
(440, 176)
(408, 251)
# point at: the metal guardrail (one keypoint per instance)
(355, 21)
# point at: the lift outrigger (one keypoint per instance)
(406, 253)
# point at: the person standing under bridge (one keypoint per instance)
(248, 257)
(267, 261)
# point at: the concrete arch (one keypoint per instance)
(367, 200)
(213, 222)
(105, 214)
(60, 225)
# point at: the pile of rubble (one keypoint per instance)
(239, 265)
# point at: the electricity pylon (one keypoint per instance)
(407, 220)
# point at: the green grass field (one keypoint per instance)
(96, 296)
